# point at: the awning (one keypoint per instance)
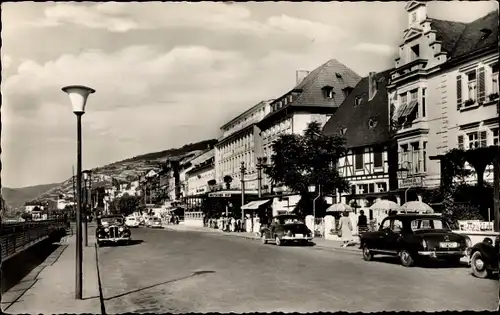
(254, 205)
(400, 111)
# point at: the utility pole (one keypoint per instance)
(243, 171)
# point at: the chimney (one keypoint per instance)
(301, 75)
(372, 85)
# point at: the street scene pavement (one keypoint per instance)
(192, 271)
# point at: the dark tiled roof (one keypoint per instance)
(310, 89)
(459, 39)
(355, 119)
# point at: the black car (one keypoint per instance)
(112, 229)
(415, 236)
(286, 228)
(484, 258)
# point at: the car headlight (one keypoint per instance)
(120, 229)
(424, 244)
(106, 230)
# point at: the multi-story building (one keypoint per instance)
(443, 91)
(201, 175)
(371, 161)
(315, 97)
(239, 141)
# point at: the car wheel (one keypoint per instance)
(367, 253)
(278, 241)
(263, 239)
(406, 258)
(478, 266)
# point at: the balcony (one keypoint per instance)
(412, 67)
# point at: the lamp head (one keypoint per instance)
(78, 95)
(312, 188)
(85, 175)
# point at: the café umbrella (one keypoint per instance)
(417, 206)
(385, 205)
(339, 207)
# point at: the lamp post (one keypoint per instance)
(78, 95)
(312, 189)
(242, 173)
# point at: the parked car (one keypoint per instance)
(132, 222)
(285, 229)
(112, 229)
(413, 237)
(155, 223)
(484, 258)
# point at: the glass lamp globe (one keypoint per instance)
(78, 95)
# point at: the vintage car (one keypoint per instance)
(414, 237)
(484, 258)
(285, 229)
(112, 229)
(131, 221)
(154, 222)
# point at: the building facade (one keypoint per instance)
(240, 142)
(370, 164)
(315, 97)
(443, 91)
(201, 175)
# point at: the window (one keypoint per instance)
(471, 87)
(473, 140)
(359, 160)
(381, 187)
(415, 53)
(424, 157)
(495, 137)
(423, 102)
(413, 95)
(358, 100)
(403, 98)
(338, 75)
(377, 158)
(415, 157)
(461, 142)
(371, 188)
(414, 16)
(397, 226)
(386, 224)
(494, 79)
(328, 92)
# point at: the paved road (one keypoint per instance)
(173, 271)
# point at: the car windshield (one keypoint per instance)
(428, 224)
(112, 220)
(131, 219)
(288, 220)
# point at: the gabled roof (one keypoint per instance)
(310, 90)
(459, 39)
(354, 119)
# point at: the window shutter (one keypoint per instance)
(481, 86)
(482, 139)
(459, 92)
(461, 142)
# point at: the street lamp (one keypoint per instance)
(78, 95)
(87, 181)
(312, 189)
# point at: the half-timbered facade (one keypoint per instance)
(363, 120)
(443, 91)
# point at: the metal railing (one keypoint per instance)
(16, 237)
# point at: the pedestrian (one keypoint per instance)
(233, 225)
(345, 228)
(362, 223)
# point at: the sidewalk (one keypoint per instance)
(320, 243)
(50, 288)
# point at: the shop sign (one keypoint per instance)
(416, 181)
(219, 194)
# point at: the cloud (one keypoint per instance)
(6, 61)
(375, 48)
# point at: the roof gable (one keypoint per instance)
(366, 123)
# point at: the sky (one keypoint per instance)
(167, 74)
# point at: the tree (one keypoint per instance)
(227, 180)
(299, 161)
(125, 204)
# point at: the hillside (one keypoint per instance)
(126, 170)
(16, 197)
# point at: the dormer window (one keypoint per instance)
(415, 52)
(347, 90)
(343, 131)
(290, 98)
(338, 75)
(328, 92)
(358, 100)
(372, 123)
(414, 17)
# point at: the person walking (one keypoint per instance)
(362, 223)
(345, 227)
